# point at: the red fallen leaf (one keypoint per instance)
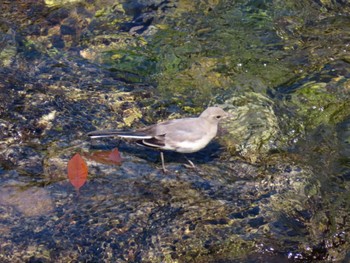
(106, 157)
(77, 171)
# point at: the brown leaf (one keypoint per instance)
(115, 157)
(106, 157)
(77, 171)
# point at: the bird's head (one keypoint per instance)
(214, 114)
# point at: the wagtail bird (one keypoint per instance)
(185, 135)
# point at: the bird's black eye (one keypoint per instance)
(218, 117)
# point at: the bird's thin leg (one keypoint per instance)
(162, 159)
(191, 164)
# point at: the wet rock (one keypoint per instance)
(32, 201)
(254, 128)
(26, 159)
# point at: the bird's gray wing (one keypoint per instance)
(169, 132)
(190, 136)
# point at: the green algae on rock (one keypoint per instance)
(55, 3)
(255, 127)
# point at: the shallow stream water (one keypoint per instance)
(273, 187)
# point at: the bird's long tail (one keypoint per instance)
(116, 133)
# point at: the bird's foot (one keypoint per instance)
(190, 165)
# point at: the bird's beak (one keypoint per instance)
(230, 116)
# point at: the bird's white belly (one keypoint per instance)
(188, 146)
